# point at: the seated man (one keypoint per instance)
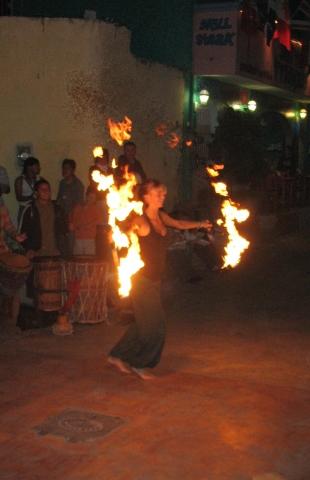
(43, 221)
(84, 220)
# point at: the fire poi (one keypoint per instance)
(231, 214)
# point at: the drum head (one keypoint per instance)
(46, 259)
(84, 259)
(14, 260)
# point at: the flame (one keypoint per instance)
(98, 152)
(120, 131)
(114, 164)
(220, 188)
(167, 130)
(121, 204)
(129, 265)
(103, 182)
(232, 214)
(213, 171)
(189, 143)
(173, 141)
(161, 129)
(236, 244)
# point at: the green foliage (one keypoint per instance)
(237, 143)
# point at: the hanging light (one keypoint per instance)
(303, 113)
(204, 97)
(252, 105)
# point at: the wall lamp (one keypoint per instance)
(238, 107)
(204, 97)
(303, 113)
(252, 105)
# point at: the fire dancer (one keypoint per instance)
(141, 346)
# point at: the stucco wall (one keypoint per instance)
(62, 79)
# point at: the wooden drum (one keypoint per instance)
(92, 273)
(48, 289)
(14, 270)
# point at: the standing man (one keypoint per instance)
(70, 194)
(129, 160)
(43, 221)
(4, 183)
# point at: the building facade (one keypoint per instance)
(238, 65)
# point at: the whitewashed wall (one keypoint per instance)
(62, 79)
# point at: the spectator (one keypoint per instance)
(24, 184)
(43, 221)
(129, 160)
(84, 221)
(4, 183)
(70, 194)
(6, 226)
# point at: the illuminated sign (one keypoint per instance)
(214, 24)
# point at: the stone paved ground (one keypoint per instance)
(232, 397)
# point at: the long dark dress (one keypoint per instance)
(143, 343)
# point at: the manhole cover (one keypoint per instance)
(79, 425)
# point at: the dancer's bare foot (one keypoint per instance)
(144, 374)
(120, 365)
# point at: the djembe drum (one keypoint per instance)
(48, 291)
(14, 270)
(92, 273)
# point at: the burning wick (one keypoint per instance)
(98, 152)
(231, 214)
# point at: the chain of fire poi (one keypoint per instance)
(121, 203)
